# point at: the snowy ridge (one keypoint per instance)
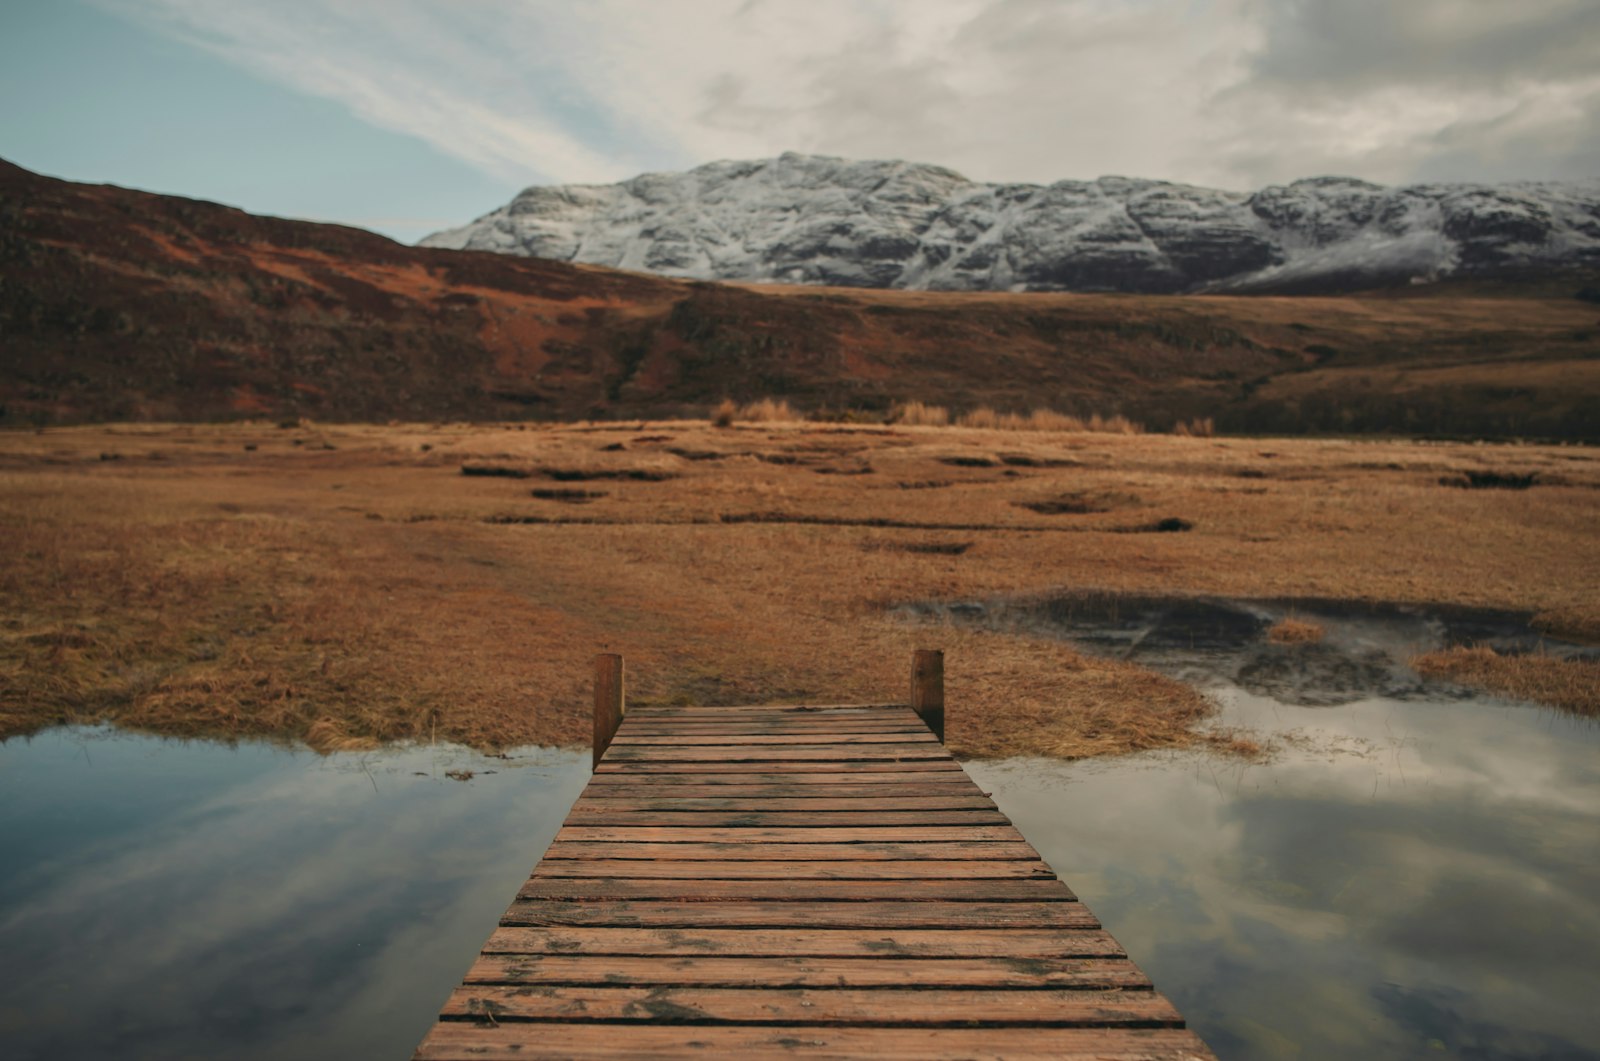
(811, 219)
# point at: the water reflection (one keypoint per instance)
(1406, 879)
(161, 899)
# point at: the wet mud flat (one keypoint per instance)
(1363, 650)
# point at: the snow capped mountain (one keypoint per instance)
(817, 220)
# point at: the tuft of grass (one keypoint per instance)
(768, 411)
(1199, 427)
(765, 411)
(1292, 631)
(918, 414)
(984, 418)
(1568, 684)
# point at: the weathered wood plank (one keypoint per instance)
(821, 766)
(678, 710)
(787, 834)
(794, 819)
(810, 941)
(716, 753)
(461, 1041)
(667, 788)
(797, 852)
(808, 890)
(736, 740)
(624, 913)
(1040, 1006)
(861, 869)
(610, 805)
(634, 774)
(703, 971)
(798, 725)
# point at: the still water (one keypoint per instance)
(1406, 880)
(161, 899)
(1414, 873)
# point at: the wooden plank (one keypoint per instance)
(715, 753)
(882, 770)
(807, 890)
(839, 869)
(460, 1041)
(1040, 1007)
(624, 913)
(880, 851)
(794, 819)
(664, 789)
(787, 834)
(735, 740)
(702, 971)
(782, 725)
(983, 942)
(611, 805)
(634, 774)
(680, 710)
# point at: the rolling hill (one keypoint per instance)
(125, 305)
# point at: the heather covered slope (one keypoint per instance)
(122, 305)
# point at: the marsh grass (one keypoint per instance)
(1293, 631)
(355, 595)
(1568, 684)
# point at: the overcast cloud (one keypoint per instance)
(1232, 93)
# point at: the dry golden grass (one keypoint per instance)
(983, 418)
(347, 584)
(1569, 684)
(1292, 631)
(919, 414)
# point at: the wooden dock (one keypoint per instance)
(817, 881)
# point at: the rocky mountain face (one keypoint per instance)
(816, 220)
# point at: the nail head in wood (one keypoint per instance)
(609, 704)
(927, 688)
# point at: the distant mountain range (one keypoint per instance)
(808, 219)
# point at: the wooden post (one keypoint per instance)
(609, 704)
(927, 688)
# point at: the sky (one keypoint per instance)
(406, 116)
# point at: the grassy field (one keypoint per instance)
(344, 585)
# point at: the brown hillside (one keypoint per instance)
(117, 304)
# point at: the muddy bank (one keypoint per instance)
(1359, 651)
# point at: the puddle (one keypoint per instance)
(1412, 874)
(163, 899)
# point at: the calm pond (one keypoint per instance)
(1414, 874)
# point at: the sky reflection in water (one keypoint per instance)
(1414, 879)
(173, 900)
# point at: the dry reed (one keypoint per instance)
(1569, 684)
(1292, 631)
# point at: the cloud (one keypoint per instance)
(1234, 93)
